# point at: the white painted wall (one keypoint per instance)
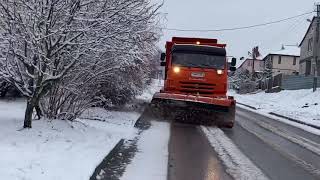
(286, 67)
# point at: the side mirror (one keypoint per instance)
(163, 56)
(233, 62)
(163, 63)
(232, 68)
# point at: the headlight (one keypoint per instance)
(176, 69)
(219, 71)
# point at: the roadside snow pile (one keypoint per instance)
(151, 160)
(154, 87)
(303, 105)
(56, 149)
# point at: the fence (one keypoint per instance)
(298, 82)
(288, 82)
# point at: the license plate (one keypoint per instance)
(198, 74)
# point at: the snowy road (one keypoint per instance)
(281, 151)
(257, 148)
(191, 156)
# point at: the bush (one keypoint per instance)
(8, 90)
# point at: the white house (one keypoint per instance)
(284, 61)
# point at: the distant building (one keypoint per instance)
(248, 65)
(284, 61)
(307, 64)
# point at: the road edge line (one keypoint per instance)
(283, 120)
(295, 120)
(282, 116)
(248, 106)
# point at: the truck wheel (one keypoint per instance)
(228, 125)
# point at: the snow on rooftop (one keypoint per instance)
(288, 50)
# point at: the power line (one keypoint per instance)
(237, 28)
(288, 31)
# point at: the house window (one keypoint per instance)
(310, 44)
(294, 61)
(279, 60)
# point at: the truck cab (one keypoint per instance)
(196, 66)
(195, 87)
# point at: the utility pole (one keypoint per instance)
(316, 47)
(253, 59)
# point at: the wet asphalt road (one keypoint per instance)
(191, 157)
(281, 151)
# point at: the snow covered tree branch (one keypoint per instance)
(65, 45)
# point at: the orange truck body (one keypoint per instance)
(204, 86)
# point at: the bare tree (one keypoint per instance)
(121, 65)
(49, 43)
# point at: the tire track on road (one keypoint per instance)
(237, 164)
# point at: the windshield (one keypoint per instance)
(198, 60)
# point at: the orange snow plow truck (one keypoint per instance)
(195, 83)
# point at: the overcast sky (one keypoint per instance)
(217, 14)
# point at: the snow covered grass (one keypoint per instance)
(154, 87)
(54, 150)
(237, 164)
(151, 160)
(303, 105)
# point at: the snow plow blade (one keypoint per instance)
(193, 109)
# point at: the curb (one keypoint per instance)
(284, 117)
(295, 120)
(251, 107)
(111, 154)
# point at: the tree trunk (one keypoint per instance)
(28, 114)
(38, 111)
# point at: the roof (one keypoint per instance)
(287, 51)
(305, 35)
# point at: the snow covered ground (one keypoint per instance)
(55, 150)
(151, 160)
(303, 105)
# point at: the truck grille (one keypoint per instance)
(197, 87)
